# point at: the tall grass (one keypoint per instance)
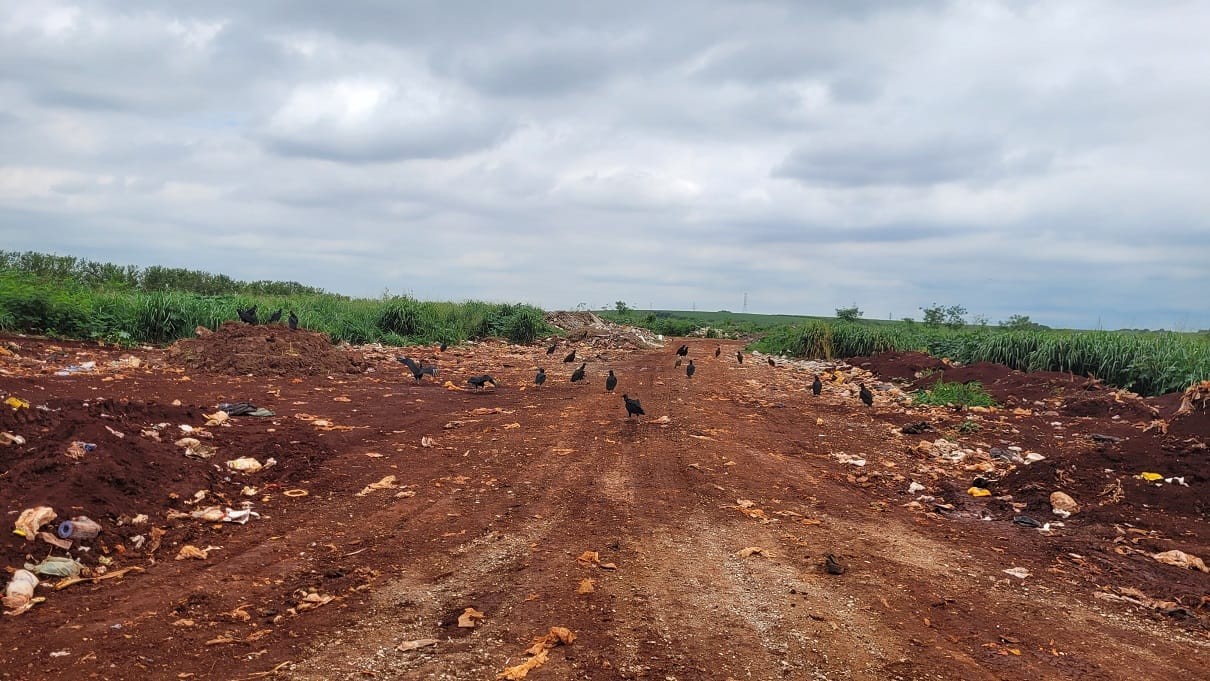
(64, 308)
(1150, 363)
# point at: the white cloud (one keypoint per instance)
(1041, 158)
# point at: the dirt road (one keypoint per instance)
(518, 483)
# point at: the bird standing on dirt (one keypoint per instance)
(718, 351)
(480, 381)
(677, 364)
(247, 316)
(551, 349)
(578, 374)
(683, 351)
(832, 565)
(571, 357)
(275, 317)
(772, 363)
(611, 381)
(689, 370)
(443, 346)
(417, 370)
(633, 407)
(292, 321)
(816, 386)
(739, 356)
(865, 395)
(540, 377)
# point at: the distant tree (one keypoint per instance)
(951, 316)
(621, 307)
(848, 314)
(908, 320)
(1020, 322)
(980, 320)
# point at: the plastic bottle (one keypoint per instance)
(80, 527)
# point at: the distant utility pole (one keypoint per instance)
(693, 305)
(745, 301)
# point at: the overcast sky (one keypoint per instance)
(1042, 158)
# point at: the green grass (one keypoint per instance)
(1149, 363)
(71, 309)
(945, 394)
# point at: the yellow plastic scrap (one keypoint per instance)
(1151, 477)
(978, 492)
(17, 403)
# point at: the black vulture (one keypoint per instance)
(578, 374)
(247, 316)
(633, 408)
(275, 317)
(740, 356)
(540, 377)
(832, 565)
(689, 370)
(772, 363)
(418, 371)
(480, 381)
(551, 349)
(611, 381)
(718, 351)
(443, 346)
(571, 357)
(816, 386)
(866, 396)
(292, 320)
(683, 351)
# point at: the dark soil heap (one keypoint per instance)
(264, 350)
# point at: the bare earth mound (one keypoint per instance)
(241, 349)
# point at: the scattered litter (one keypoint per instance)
(247, 464)
(754, 551)
(539, 653)
(1063, 505)
(77, 450)
(19, 595)
(243, 409)
(587, 586)
(915, 487)
(832, 566)
(1018, 572)
(7, 438)
(191, 552)
(1032, 457)
(16, 403)
(296, 493)
(217, 514)
(916, 428)
(54, 540)
(1175, 480)
(467, 619)
(427, 441)
(387, 482)
(1182, 560)
(80, 527)
(32, 519)
(978, 492)
(1151, 477)
(218, 418)
(1026, 521)
(416, 645)
(56, 566)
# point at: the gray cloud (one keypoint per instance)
(811, 155)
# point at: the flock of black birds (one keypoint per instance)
(248, 316)
(633, 406)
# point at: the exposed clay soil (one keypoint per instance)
(264, 350)
(516, 483)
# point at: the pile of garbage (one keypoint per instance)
(238, 349)
(586, 328)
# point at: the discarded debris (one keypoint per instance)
(387, 482)
(32, 519)
(78, 450)
(56, 566)
(247, 464)
(80, 527)
(19, 595)
(189, 551)
(417, 644)
(586, 586)
(1062, 504)
(754, 551)
(1182, 560)
(468, 617)
(1018, 572)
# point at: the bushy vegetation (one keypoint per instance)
(966, 394)
(1150, 363)
(58, 296)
